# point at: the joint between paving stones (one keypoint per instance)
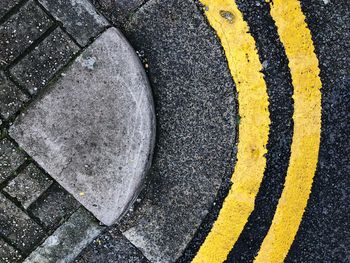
(15, 173)
(13, 11)
(20, 206)
(32, 46)
(59, 23)
(12, 244)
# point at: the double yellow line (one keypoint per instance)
(245, 67)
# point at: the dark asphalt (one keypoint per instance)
(280, 90)
(189, 76)
(195, 110)
(324, 234)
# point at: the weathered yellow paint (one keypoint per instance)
(303, 65)
(245, 67)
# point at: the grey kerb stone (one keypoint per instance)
(94, 130)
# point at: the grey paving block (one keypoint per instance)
(8, 254)
(79, 17)
(21, 30)
(6, 5)
(39, 66)
(195, 106)
(11, 97)
(54, 207)
(68, 240)
(28, 185)
(17, 227)
(10, 158)
(94, 130)
(111, 246)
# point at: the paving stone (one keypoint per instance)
(8, 254)
(40, 65)
(95, 139)
(21, 30)
(79, 17)
(28, 185)
(6, 5)
(68, 240)
(111, 246)
(18, 227)
(54, 207)
(11, 97)
(10, 158)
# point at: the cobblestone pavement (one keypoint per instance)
(199, 114)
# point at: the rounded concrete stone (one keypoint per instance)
(93, 130)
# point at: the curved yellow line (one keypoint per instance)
(303, 65)
(245, 68)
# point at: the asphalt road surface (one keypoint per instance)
(252, 157)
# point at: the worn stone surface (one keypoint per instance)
(95, 139)
(11, 97)
(8, 254)
(28, 185)
(6, 5)
(39, 66)
(68, 240)
(20, 31)
(111, 246)
(79, 17)
(54, 207)
(195, 106)
(18, 227)
(10, 158)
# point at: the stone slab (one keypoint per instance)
(10, 158)
(28, 185)
(68, 240)
(11, 97)
(18, 227)
(8, 254)
(40, 65)
(54, 207)
(79, 17)
(21, 30)
(93, 131)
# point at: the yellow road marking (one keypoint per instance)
(303, 64)
(245, 67)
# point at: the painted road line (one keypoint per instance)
(303, 64)
(245, 68)
(280, 91)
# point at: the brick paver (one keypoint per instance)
(21, 30)
(10, 158)
(78, 17)
(54, 207)
(39, 66)
(11, 97)
(8, 254)
(68, 240)
(18, 227)
(6, 5)
(28, 185)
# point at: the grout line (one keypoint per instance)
(61, 25)
(13, 11)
